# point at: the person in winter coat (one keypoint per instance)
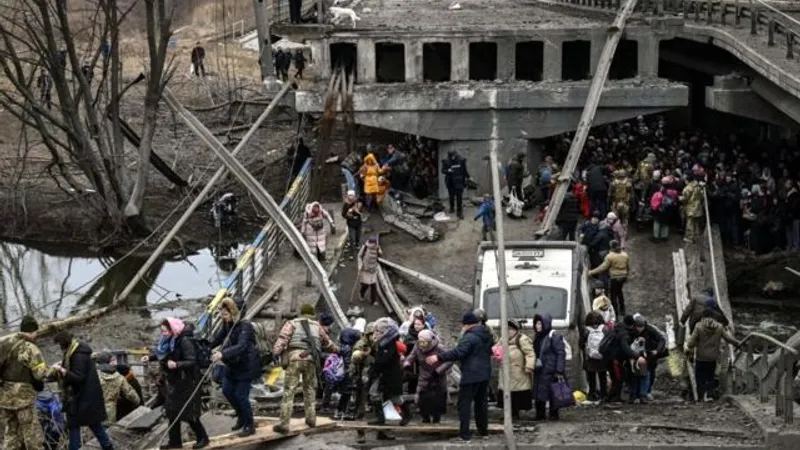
(347, 340)
(704, 346)
(589, 229)
(594, 363)
(620, 233)
(360, 362)
(692, 198)
(299, 63)
(410, 340)
(693, 313)
(455, 173)
(386, 373)
(351, 211)
(369, 173)
(568, 216)
(579, 191)
(81, 391)
(522, 359)
(621, 190)
(368, 269)
(598, 188)
(431, 389)
(617, 355)
(663, 209)
(474, 354)
(238, 352)
(515, 174)
(114, 386)
(125, 407)
(550, 366)
(486, 213)
(618, 264)
(600, 244)
(177, 358)
(655, 347)
(416, 312)
(313, 229)
(198, 57)
(603, 306)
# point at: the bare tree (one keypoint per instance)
(80, 127)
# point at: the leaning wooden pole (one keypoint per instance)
(587, 118)
(272, 208)
(505, 369)
(201, 197)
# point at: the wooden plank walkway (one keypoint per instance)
(415, 428)
(264, 433)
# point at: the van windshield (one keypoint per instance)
(526, 301)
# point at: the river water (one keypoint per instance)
(57, 282)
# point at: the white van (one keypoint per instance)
(543, 277)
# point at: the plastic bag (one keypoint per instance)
(390, 412)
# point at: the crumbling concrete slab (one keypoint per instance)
(778, 435)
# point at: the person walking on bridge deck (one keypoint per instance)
(22, 369)
(302, 339)
(315, 232)
(704, 347)
(617, 264)
(114, 386)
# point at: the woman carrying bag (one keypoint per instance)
(522, 359)
(549, 372)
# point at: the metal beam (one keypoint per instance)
(272, 208)
(585, 124)
(201, 197)
(433, 282)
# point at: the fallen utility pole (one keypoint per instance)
(587, 117)
(505, 369)
(280, 218)
(201, 197)
(457, 293)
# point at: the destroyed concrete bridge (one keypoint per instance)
(518, 71)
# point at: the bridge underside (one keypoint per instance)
(478, 112)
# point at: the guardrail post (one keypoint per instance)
(779, 383)
(763, 387)
(697, 7)
(753, 21)
(788, 388)
(771, 33)
(709, 12)
(789, 44)
(723, 11)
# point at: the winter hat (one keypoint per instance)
(63, 339)
(514, 324)
(596, 214)
(480, 314)
(639, 320)
(325, 319)
(611, 216)
(601, 303)
(426, 335)
(103, 358)
(469, 318)
(307, 310)
(28, 325)
(710, 303)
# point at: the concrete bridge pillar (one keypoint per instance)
(552, 60)
(413, 55)
(647, 49)
(365, 50)
(506, 59)
(321, 56)
(459, 66)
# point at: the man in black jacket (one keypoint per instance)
(455, 173)
(198, 56)
(515, 174)
(81, 390)
(474, 353)
(568, 216)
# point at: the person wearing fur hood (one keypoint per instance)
(431, 392)
(313, 228)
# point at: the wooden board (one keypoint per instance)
(264, 432)
(421, 428)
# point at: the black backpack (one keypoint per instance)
(606, 346)
(202, 353)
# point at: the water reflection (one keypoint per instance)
(56, 282)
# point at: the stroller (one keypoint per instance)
(51, 417)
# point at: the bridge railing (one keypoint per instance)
(766, 366)
(255, 260)
(776, 27)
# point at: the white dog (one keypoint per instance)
(340, 13)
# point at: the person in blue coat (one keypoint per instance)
(242, 363)
(486, 212)
(474, 354)
(550, 364)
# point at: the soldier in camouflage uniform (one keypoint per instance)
(22, 371)
(300, 363)
(114, 385)
(621, 190)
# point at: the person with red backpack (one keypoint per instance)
(663, 203)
